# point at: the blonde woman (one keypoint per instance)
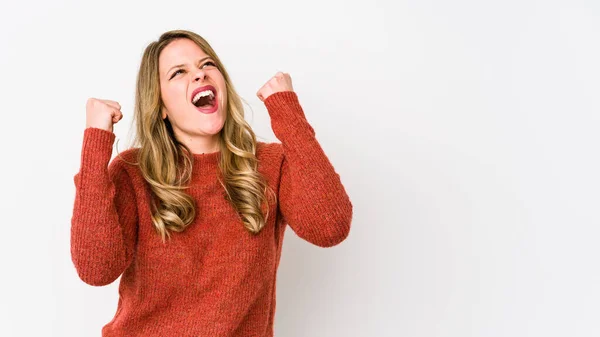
(193, 216)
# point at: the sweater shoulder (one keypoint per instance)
(270, 159)
(125, 161)
(269, 152)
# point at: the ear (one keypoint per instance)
(163, 113)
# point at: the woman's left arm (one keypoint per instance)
(312, 199)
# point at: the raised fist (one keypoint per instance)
(102, 113)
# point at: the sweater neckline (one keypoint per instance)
(204, 159)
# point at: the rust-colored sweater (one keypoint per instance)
(214, 278)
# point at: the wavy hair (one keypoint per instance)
(166, 163)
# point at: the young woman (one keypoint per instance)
(193, 217)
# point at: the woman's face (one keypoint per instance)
(183, 68)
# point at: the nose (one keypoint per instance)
(200, 75)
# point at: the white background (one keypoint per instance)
(465, 132)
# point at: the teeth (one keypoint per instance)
(203, 94)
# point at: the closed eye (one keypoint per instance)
(207, 63)
(175, 73)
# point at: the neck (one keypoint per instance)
(201, 144)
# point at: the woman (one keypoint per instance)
(193, 217)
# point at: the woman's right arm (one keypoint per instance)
(104, 222)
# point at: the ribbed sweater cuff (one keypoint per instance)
(97, 150)
(287, 117)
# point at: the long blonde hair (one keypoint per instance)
(166, 163)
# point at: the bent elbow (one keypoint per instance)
(333, 239)
(95, 278)
(95, 274)
(333, 232)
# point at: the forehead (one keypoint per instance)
(180, 51)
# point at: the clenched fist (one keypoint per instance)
(102, 113)
(279, 82)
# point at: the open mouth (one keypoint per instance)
(204, 99)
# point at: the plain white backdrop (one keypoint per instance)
(465, 132)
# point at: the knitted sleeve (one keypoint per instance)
(104, 220)
(312, 199)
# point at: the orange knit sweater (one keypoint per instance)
(214, 278)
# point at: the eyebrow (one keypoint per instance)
(181, 65)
